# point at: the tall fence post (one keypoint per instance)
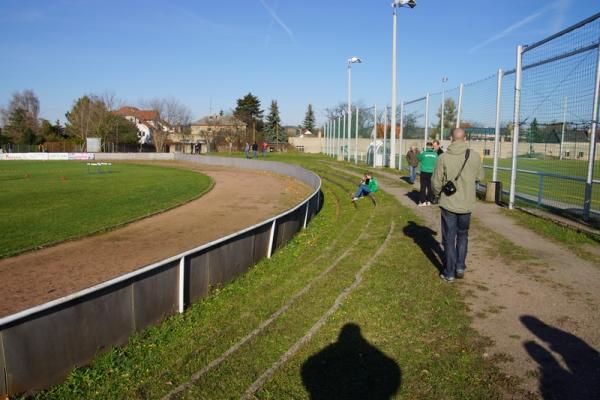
(356, 138)
(460, 98)
(271, 237)
(374, 136)
(401, 135)
(338, 135)
(344, 135)
(516, 127)
(426, 130)
(587, 202)
(384, 133)
(181, 285)
(497, 127)
(562, 132)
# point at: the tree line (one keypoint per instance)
(93, 115)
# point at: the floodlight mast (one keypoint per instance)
(352, 60)
(395, 4)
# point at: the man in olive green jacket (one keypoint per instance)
(456, 209)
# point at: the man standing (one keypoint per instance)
(413, 163)
(462, 167)
(255, 150)
(437, 147)
(427, 160)
(247, 150)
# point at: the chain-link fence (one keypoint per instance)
(549, 103)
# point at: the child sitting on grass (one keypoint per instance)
(366, 187)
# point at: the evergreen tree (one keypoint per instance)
(309, 119)
(449, 116)
(18, 127)
(248, 110)
(273, 129)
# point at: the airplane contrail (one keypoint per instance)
(277, 19)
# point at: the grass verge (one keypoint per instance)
(412, 328)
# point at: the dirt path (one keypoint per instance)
(536, 300)
(239, 199)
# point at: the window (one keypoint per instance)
(580, 155)
(486, 152)
(300, 148)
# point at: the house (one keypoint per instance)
(146, 121)
(219, 132)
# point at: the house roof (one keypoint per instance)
(144, 115)
(219, 120)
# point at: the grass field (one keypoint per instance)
(413, 333)
(555, 190)
(52, 201)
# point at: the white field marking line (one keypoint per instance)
(214, 363)
(258, 383)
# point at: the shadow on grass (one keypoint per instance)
(351, 368)
(581, 377)
(424, 237)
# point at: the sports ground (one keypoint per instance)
(352, 308)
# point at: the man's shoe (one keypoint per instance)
(446, 278)
(460, 273)
(421, 204)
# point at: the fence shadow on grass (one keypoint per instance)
(581, 377)
(351, 368)
(424, 237)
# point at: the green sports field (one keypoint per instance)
(44, 202)
(554, 190)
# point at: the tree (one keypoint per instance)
(309, 119)
(248, 110)
(274, 132)
(49, 132)
(21, 117)
(171, 115)
(449, 116)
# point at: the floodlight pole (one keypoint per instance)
(349, 104)
(356, 139)
(587, 202)
(393, 114)
(426, 130)
(460, 98)
(444, 80)
(516, 127)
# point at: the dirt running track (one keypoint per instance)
(238, 199)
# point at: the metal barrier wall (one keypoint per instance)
(41, 345)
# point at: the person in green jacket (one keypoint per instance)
(367, 187)
(427, 161)
(456, 208)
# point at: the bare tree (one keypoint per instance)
(172, 115)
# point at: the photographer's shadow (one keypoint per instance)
(425, 238)
(351, 368)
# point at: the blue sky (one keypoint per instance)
(212, 52)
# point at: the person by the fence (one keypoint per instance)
(427, 161)
(454, 178)
(255, 149)
(247, 150)
(413, 163)
(367, 187)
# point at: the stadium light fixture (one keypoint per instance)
(395, 4)
(352, 60)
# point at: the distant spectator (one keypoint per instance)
(255, 149)
(427, 160)
(461, 166)
(413, 163)
(437, 147)
(247, 150)
(265, 147)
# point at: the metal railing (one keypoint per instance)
(41, 345)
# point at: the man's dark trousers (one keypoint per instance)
(455, 238)
(426, 190)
